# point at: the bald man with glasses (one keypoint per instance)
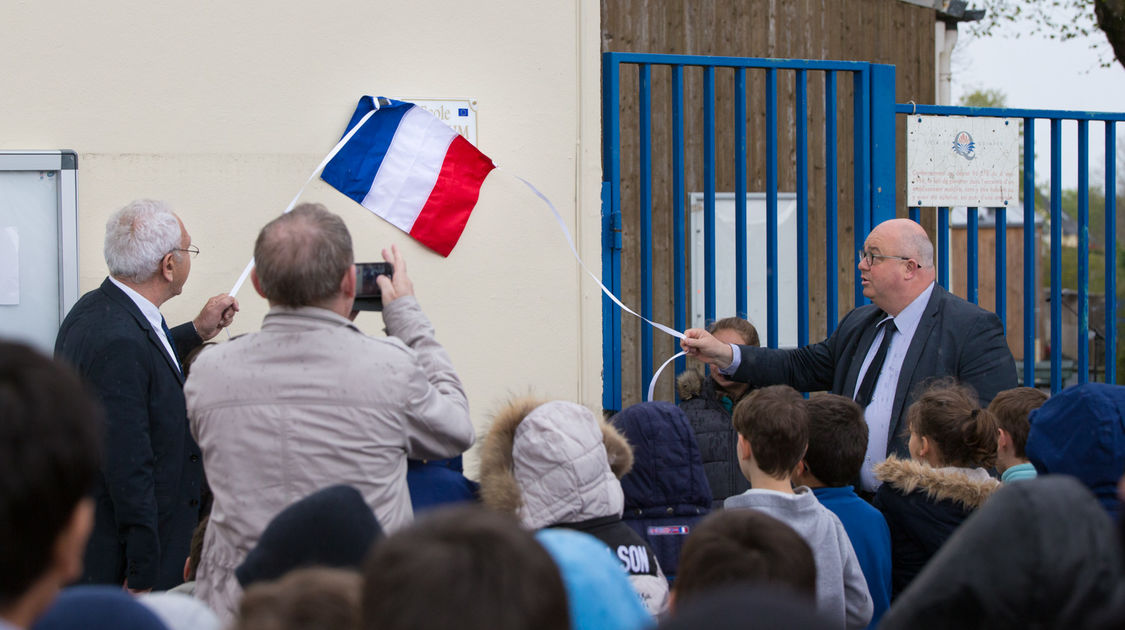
(882, 354)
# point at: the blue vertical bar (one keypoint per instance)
(644, 123)
(1083, 251)
(611, 261)
(771, 207)
(802, 209)
(1110, 253)
(862, 148)
(971, 274)
(943, 247)
(882, 151)
(831, 256)
(915, 214)
(709, 194)
(1002, 266)
(741, 300)
(678, 219)
(1030, 242)
(1056, 255)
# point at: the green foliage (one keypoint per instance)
(981, 97)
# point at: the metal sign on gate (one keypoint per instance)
(962, 161)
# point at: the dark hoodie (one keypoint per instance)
(666, 492)
(1080, 431)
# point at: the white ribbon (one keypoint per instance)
(605, 290)
(652, 383)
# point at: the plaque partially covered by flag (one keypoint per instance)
(411, 169)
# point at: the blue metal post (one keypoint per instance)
(741, 300)
(771, 207)
(1110, 253)
(1083, 251)
(831, 256)
(1030, 240)
(862, 148)
(915, 214)
(679, 218)
(943, 247)
(1056, 255)
(803, 208)
(644, 123)
(611, 232)
(709, 194)
(1002, 266)
(882, 151)
(971, 274)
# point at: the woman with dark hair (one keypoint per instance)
(707, 402)
(925, 498)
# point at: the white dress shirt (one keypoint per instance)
(878, 412)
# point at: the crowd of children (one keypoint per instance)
(584, 522)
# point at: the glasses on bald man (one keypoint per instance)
(871, 258)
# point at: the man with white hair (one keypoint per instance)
(147, 499)
(882, 354)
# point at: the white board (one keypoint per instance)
(756, 277)
(38, 238)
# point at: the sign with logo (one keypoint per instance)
(962, 161)
(459, 113)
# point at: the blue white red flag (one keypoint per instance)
(410, 168)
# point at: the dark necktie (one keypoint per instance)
(867, 387)
(171, 343)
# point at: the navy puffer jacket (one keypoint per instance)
(666, 492)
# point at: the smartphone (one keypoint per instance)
(368, 297)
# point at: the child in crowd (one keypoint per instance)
(708, 403)
(666, 492)
(556, 464)
(468, 568)
(1012, 409)
(744, 547)
(1080, 432)
(925, 498)
(773, 433)
(312, 597)
(837, 445)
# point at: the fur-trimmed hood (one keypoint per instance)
(970, 487)
(689, 384)
(553, 462)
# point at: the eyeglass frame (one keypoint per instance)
(191, 249)
(871, 258)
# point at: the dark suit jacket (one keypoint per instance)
(953, 338)
(147, 498)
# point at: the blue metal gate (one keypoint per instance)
(872, 199)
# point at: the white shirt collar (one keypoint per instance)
(152, 315)
(907, 320)
(148, 309)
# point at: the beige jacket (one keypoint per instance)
(308, 402)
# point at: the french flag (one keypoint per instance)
(410, 168)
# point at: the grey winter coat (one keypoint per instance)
(309, 402)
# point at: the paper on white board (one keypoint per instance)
(9, 266)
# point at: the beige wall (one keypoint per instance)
(224, 109)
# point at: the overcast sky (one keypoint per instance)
(1040, 73)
